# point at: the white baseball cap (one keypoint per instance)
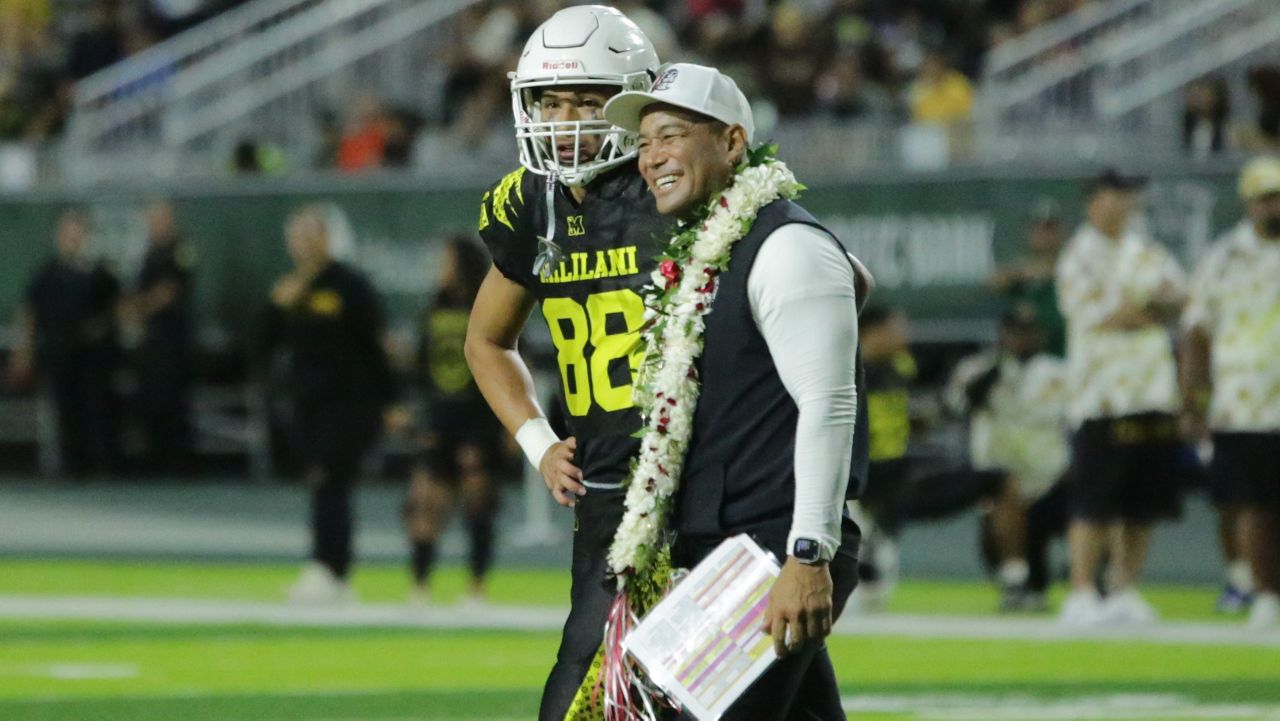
(1261, 176)
(685, 85)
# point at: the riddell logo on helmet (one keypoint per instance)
(562, 65)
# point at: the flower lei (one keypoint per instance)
(666, 392)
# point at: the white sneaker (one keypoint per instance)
(1128, 608)
(419, 597)
(317, 586)
(1265, 614)
(1081, 609)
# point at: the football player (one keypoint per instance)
(575, 230)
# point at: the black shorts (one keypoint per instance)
(445, 436)
(1130, 468)
(1246, 469)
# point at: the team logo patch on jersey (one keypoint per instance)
(665, 80)
(325, 302)
(576, 226)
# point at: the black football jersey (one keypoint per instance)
(591, 300)
(441, 362)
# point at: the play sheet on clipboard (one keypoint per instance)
(702, 644)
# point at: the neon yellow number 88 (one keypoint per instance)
(573, 327)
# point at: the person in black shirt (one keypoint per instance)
(164, 358)
(460, 442)
(328, 321)
(903, 490)
(68, 335)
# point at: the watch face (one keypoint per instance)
(805, 549)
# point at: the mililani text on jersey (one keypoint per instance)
(610, 263)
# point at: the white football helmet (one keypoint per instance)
(581, 45)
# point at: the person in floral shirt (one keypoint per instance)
(1233, 382)
(1118, 289)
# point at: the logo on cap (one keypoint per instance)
(665, 80)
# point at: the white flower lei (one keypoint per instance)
(667, 387)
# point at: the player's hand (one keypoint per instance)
(1128, 317)
(800, 602)
(288, 290)
(563, 479)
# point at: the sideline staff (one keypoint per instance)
(782, 336)
(329, 320)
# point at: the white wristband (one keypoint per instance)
(534, 438)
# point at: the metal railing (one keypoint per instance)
(266, 69)
(1105, 81)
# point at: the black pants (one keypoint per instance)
(83, 393)
(802, 686)
(334, 438)
(596, 518)
(165, 376)
(1047, 518)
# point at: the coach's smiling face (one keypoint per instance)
(685, 157)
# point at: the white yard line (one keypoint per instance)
(533, 618)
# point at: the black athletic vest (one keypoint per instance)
(739, 473)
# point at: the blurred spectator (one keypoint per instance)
(1015, 399)
(365, 139)
(654, 26)
(67, 338)
(1118, 288)
(244, 158)
(100, 43)
(164, 360)
(850, 24)
(1206, 111)
(845, 93)
(461, 440)
(1262, 132)
(402, 127)
(940, 94)
(905, 33)
(718, 31)
(793, 55)
(898, 494)
(1232, 386)
(327, 322)
(476, 85)
(1030, 280)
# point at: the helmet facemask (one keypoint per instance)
(538, 138)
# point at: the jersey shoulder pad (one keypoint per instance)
(505, 204)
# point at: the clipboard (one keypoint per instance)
(702, 644)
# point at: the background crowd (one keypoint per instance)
(881, 63)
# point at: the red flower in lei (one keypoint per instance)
(671, 271)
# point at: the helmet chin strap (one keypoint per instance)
(549, 252)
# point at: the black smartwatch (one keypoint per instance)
(807, 551)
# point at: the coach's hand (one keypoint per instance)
(563, 479)
(800, 601)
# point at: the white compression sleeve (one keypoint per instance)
(801, 290)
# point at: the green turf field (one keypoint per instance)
(88, 670)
